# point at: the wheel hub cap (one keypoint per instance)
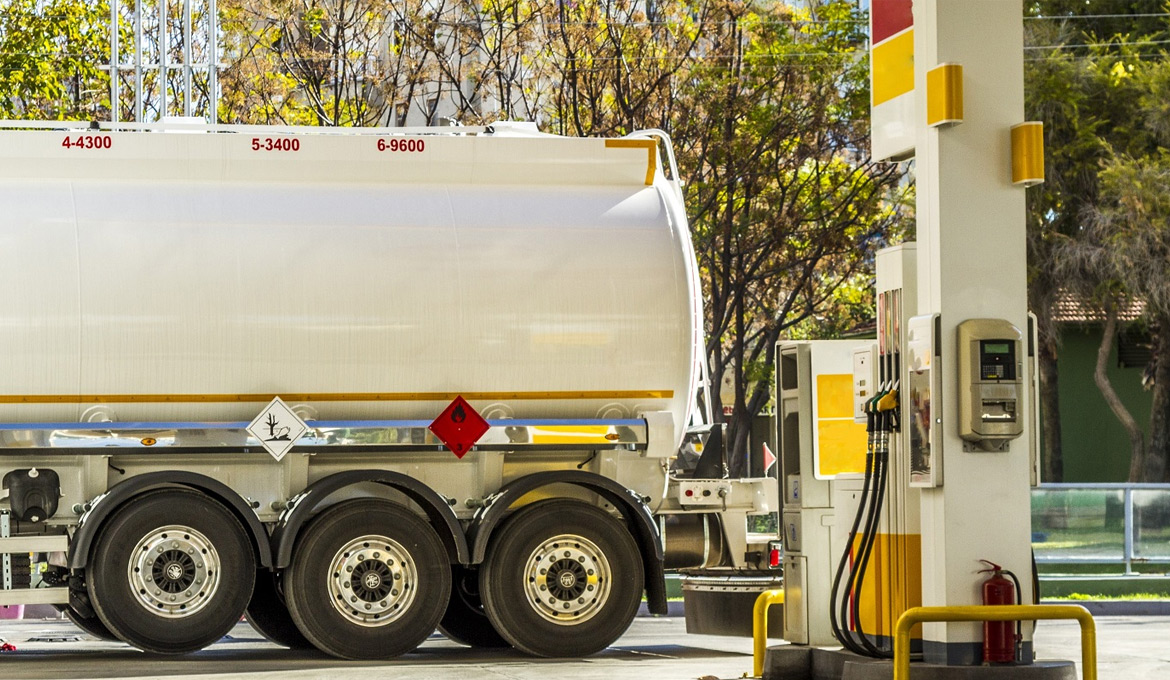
(173, 571)
(567, 579)
(372, 580)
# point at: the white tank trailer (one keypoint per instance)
(161, 287)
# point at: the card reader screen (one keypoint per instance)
(997, 360)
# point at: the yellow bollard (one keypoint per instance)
(760, 628)
(1005, 612)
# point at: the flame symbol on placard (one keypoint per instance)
(458, 415)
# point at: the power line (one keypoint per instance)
(1107, 43)
(1078, 17)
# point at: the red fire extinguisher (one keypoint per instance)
(999, 638)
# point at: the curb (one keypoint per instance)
(1120, 607)
(672, 609)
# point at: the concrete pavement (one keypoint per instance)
(653, 649)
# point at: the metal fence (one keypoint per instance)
(1122, 524)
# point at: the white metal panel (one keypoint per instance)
(39, 316)
(202, 282)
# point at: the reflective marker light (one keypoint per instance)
(774, 548)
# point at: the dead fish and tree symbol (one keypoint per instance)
(277, 432)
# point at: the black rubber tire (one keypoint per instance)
(93, 626)
(308, 580)
(268, 614)
(465, 621)
(503, 580)
(119, 607)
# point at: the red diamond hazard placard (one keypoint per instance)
(459, 426)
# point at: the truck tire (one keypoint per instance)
(465, 621)
(172, 572)
(561, 579)
(91, 625)
(368, 580)
(268, 614)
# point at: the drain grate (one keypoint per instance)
(50, 637)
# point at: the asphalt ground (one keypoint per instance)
(653, 649)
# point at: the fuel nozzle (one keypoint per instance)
(888, 407)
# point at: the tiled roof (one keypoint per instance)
(1071, 309)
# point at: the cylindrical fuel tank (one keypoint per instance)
(153, 276)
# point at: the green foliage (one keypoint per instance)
(50, 56)
(1098, 228)
(1095, 21)
(786, 209)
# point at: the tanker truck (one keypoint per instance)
(355, 385)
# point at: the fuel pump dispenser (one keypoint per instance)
(912, 539)
(877, 572)
(820, 444)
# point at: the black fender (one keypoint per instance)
(631, 506)
(302, 507)
(118, 495)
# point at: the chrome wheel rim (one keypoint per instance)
(174, 571)
(372, 581)
(567, 579)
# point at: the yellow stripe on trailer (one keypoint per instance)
(573, 434)
(651, 147)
